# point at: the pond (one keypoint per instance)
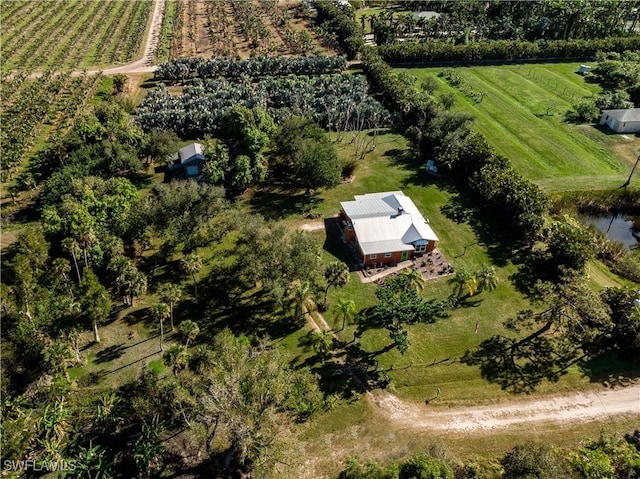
(621, 228)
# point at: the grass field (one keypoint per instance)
(72, 34)
(522, 115)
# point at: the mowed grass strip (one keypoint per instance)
(522, 116)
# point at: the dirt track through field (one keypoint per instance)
(561, 409)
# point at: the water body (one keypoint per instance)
(621, 228)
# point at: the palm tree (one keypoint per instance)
(177, 357)
(160, 312)
(189, 331)
(192, 264)
(301, 294)
(415, 278)
(487, 278)
(336, 274)
(322, 342)
(71, 246)
(346, 309)
(170, 294)
(463, 279)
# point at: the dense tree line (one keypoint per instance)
(496, 20)
(181, 69)
(499, 50)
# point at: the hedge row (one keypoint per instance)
(438, 51)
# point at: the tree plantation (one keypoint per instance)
(183, 294)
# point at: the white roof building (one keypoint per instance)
(622, 120)
(387, 222)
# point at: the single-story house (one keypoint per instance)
(187, 163)
(622, 121)
(386, 228)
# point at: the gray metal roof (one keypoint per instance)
(627, 114)
(387, 222)
(189, 151)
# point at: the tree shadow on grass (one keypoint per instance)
(333, 243)
(109, 353)
(491, 231)
(274, 204)
(609, 370)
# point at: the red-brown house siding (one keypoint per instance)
(396, 257)
(430, 246)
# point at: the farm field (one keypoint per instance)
(522, 115)
(241, 28)
(36, 111)
(74, 34)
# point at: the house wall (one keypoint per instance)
(628, 127)
(396, 257)
(620, 127)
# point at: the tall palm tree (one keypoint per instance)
(346, 309)
(322, 342)
(189, 331)
(487, 278)
(301, 295)
(461, 280)
(192, 264)
(170, 293)
(71, 246)
(160, 312)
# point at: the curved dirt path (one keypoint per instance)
(562, 409)
(577, 407)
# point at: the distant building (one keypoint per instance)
(622, 121)
(187, 163)
(584, 70)
(386, 228)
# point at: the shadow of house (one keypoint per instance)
(187, 163)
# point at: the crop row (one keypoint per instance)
(72, 34)
(38, 109)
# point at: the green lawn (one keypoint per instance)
(522, 116)
(391, 167)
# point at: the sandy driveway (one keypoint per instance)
(577, 407)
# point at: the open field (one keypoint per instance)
(72, 34)
(522, 115)
(242, 28)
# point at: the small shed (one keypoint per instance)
(584, 70)
(622, 121)
(188, 161)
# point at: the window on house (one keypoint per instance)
(388, 255)
(373, 256)
(421, 248)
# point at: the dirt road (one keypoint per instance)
(145, 64)
(573, 408)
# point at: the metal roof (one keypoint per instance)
(189, 151)
(387, 222)
(627, 114)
